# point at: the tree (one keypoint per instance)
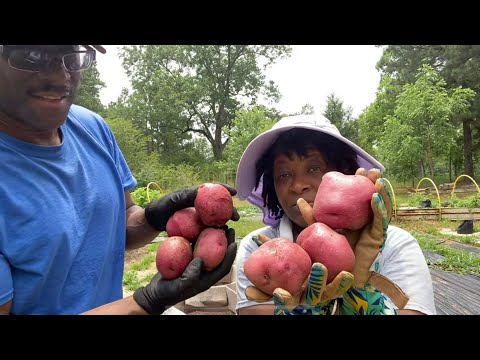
(421, 127)
(131, 142)
(307, 109)
(459, 65)
(341, 117)
(246, 126)
(89, 92)
(183, 90)
(371, 122)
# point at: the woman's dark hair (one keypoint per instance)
(339, 156)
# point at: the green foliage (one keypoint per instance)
(459, 66)
(142, 196)
(89, 91)
(467, 202)
(453, 201)
(131, 141)
(341, 117)
(246, 126)
(422, 122)
(371, 122)
(415, 199)
(455, 260)
(307, 109)
(181, 90)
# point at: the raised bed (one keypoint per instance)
(437, 213)
(405, 214)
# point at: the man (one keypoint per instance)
(66, 214)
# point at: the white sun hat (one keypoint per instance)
(246, 173)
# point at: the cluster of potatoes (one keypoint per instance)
(342, 202)
(196, 232)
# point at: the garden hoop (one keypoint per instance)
(148, 189)
(394, 200)
(438, 195)
(455, 183)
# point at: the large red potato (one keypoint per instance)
(343, 201)
(185, 223)
(211, 247)
(278, 263)
(173, 257)
(328, 247)
(214, 204)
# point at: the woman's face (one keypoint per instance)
(298, 177)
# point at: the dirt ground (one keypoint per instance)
(133, 256)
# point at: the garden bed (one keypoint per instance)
(445, 213)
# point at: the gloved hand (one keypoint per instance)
(159, 294)
(315, 296)
(371, 293)
(159, 211)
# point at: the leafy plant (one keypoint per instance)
(141, 197)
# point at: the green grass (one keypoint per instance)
(430, 227)
(455, 260)
(430, 239)
(131, 280)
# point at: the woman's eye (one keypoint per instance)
(282, 176)
(316, 169)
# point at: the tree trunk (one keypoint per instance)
(467, 148)
(420, 170)
(449, 169)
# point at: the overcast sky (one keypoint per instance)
(310, 74)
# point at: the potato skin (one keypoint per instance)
(344, 201)
(173, 257)
(326, 246)
(278, 263)
(185, 223)
(211, 247)
(214, 204)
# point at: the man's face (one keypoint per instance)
(298, 177)
(37, 100)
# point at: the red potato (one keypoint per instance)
(185, 223)
(328, 247)
(211, 247)
(343, 201)
(173, 257)
(278, 263)
(214, 204)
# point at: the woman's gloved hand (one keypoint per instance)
(315, 296)
(372, 293)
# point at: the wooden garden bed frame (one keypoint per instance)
(438, 213)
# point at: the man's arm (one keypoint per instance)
(126, 306)
(5, 308)
(264, 309)
(139, 231)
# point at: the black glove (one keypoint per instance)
(159, 211)
(155, 297)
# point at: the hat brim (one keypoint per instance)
(246, 170)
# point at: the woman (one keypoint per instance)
(286, 163)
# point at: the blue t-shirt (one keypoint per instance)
(62, 219)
